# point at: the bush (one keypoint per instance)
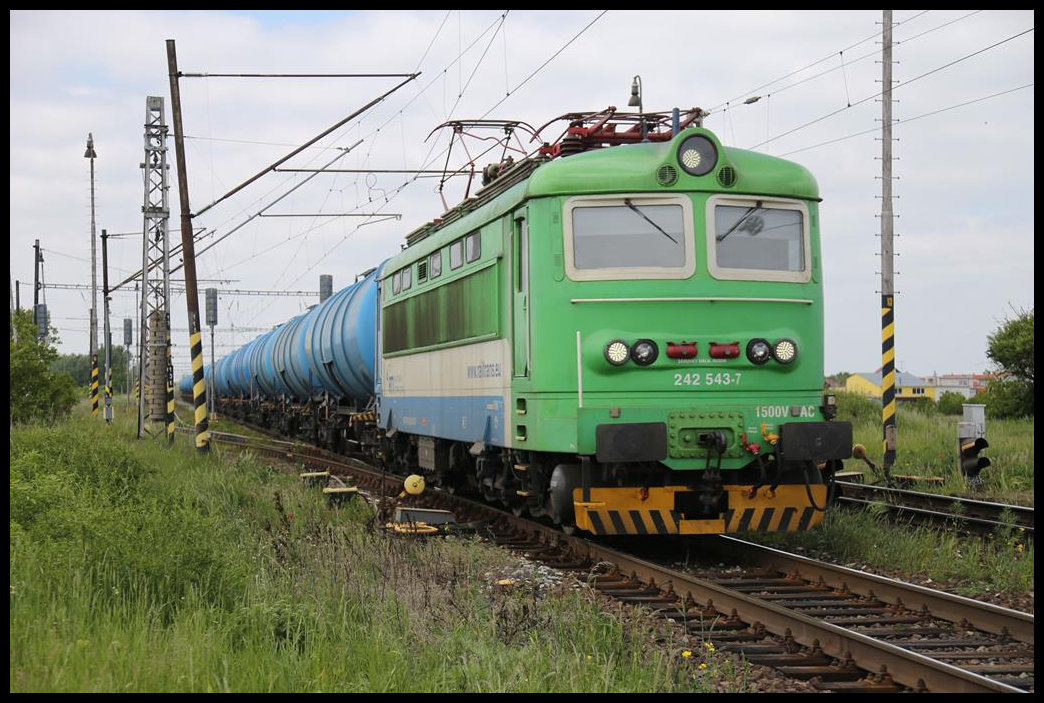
(925, 406)
(1012, 348)
(1006, 398)
(852, 407)
(36, 392)
(951, 403)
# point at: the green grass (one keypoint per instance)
(999, 563)
(927, 446)
(135, 567)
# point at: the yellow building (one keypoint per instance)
(907, 386)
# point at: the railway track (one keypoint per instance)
(844, 630)
(974, 516)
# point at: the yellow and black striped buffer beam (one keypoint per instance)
(363, 417)
(635, 511)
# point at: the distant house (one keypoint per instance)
(967, 384)
(907, 386)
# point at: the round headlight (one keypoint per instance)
(644, 352)
(785, 351)
(697, 155)
(758, 351)
(616, 352)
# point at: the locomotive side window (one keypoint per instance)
(472, 246)
(758, 240)
(407, 275)
(396, 282)
(435, 264)
(456, 252)
(614, 237)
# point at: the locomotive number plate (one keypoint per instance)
(710, 378)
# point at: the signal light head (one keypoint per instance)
(785, 351)
(617, 352)
(758, 351)
(644, 352)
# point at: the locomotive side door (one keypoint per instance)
(520, 294)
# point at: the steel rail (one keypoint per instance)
(938, 507)
(947, 606)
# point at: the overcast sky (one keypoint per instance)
(963, 170)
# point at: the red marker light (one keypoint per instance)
(681, 350)
(724, 351)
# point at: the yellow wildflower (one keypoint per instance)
(703, 665)
(709, 646)
(686, 654)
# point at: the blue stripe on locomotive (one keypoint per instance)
(460, 418)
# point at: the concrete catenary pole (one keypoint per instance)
(890, 433)
(91, 154)
(188, 252)
(106, 335)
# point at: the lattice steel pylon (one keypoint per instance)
(155, 366)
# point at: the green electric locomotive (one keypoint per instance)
(622, 332)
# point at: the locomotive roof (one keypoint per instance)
(623, 168)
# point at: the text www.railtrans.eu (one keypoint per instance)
(491, 370)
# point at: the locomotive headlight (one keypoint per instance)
(616, 352)
(644, 352)
(697, 155)
(785, 351)
(759, 351)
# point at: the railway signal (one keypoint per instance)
(971, 439)
(970, 462)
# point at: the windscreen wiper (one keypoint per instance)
(628, 203)
(740, 221)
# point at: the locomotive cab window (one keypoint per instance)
(619, 237)
(758, 239)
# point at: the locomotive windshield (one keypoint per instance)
(758, 240)
(629, 237)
